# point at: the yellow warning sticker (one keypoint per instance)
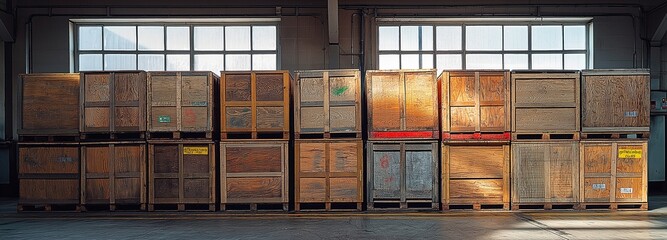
(629, 153)
(195, 150)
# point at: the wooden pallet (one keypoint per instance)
(302, 135)
(49, 138)
(254, 207)
(546, 136)
(476, 136)
(114, 136)
(112, 207)
(475, 207)
(255, 135)
(614, 206)
(544, 206)
(402, 206)
(328, 207)
(624, 135)
(48, 207)
(179, 135)
(181, 207)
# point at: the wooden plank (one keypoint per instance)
(49, 174)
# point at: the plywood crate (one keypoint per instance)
(255, 105)
(181, 175)
(328, 175)
(113, 174)
(254, 175)
(181, 104)
(614, 174)
(402, 175)
(476, 176)
(545, 105)
(402, 104)
(615, 101)
(545, 175)
(48, 106)
(327, 104)
(113, 105)
(48, 176)
(475, 105)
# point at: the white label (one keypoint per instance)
(626, 190)
(599, 186)
(631, 114)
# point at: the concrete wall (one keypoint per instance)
(2, 89)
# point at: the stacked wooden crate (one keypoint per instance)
(48, 142)
(113, 143)
(181, 149)
(615, 130)
(403, 133)
(545, 140)
(476, 134)
(328, 162)
(254, 125)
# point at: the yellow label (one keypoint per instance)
(195, 150)
(629, 153)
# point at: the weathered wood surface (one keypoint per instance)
(48, 174)
(48, 104)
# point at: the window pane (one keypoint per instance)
(448, 38)
(210, 62)
(575, 37)
(547, 61)
(178, 62)
(389, 61)
(449, 62)
(151, 38)
(516, 61)
(427, 61)
(178, 38)
(484, 61)
(409, 38)
(263, 62)
(264, 38)
(113, 62)
(237, 39)
(90, 62)
(208, 39)
(410, 61)
(151, 62)
(427, 38)
(388, 38)
(120, 38)
(516, 38)
(237, 62)
(90, 38)
(547, 37)
(482, 38)
(575, 61)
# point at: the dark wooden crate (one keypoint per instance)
(48, 104)
(328, 171)
(181, 104)
(48, 174)
(181, 173)
(327, 104)
(113, 173)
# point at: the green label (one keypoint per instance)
(340, 90)
(164, 119)
(203, 103)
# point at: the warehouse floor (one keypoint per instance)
(651, 224)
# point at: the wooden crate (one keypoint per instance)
(545, 103)
(181, 175)
(254, 174)
(48, 175)
(327, 104)
(113, 103)
(614, 173)
(48, 105)
(181, 104)
(475, 102)
(545, 174)
(255, 105)
(476, 176)
(402, 175)
(328, 174)
(402, 104)
(113, 174)
(615, 101)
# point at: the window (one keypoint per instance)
(492, 46)
(165, 47)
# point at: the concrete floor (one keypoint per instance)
(452, 225)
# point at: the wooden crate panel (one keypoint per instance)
(475, 101)
(49, 191)
(545, 172)
(345, 190)
(165, 188)
(253, 159)
(477, 190)
(476, 161)
(345, 157)
(270, 117)
(312, 157)
(597, 189)
(113, 102)
(402, 100)
(631, 189)
(48, 160)
(256, 188)
(551, 119)
(312, 190)
(387, 174)
(615, 100)
(49, 104)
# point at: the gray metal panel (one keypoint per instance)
(419, 174)
(4, 165)
(656, 149)
(386, 174)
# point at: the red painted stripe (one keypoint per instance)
(402, 134)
